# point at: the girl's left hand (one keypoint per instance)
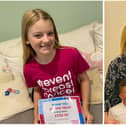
(88, 118)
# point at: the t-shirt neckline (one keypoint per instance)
(54, 58)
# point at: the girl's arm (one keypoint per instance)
(85, 90)
(37, 96)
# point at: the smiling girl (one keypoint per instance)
(52, 70)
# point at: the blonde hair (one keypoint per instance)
(123, 42)
(29, 19)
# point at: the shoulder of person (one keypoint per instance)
(32, 63)
(117, 108)
(117, 105)
(116, 60)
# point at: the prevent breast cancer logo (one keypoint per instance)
(57, 86)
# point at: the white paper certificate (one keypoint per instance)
(61, 110)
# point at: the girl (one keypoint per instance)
(52, 70)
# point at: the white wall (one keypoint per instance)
(68, 15)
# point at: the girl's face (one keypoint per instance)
(41, 37)
(123, 93)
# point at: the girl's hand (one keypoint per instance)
(36, 121)
(88, 118)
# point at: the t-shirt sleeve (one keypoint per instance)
(29, 77)
(80, 63)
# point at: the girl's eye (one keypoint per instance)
(37, 36)
(50, 33)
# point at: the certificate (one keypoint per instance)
(61, 110)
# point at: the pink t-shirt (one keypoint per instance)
(59, 77)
